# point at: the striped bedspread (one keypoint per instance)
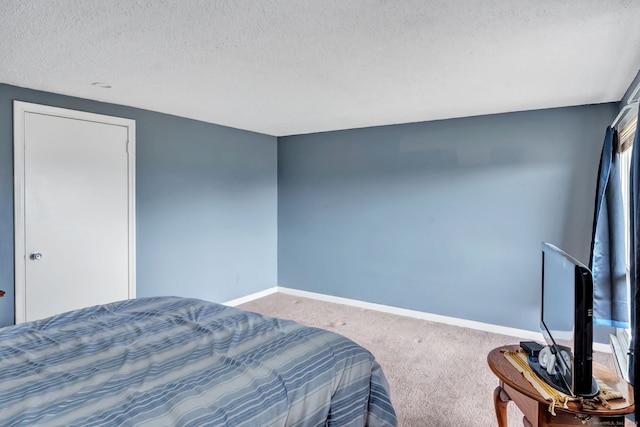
(172, 361)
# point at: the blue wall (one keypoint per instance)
(444, 217)
(206, 203)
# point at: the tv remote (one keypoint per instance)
(532, 348)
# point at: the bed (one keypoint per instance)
(170, 361)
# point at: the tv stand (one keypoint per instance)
(513, 386)
(556, 382)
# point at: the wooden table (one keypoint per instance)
(513, 386)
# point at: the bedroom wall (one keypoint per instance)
(443, 217)
(206, 203)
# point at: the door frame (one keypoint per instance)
(20, 108)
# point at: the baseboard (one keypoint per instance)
(251, 297)
(602, 348)
(454, 321)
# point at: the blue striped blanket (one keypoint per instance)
(171, 361)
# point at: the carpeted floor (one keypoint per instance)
(438, 374)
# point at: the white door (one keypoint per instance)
(74, 204)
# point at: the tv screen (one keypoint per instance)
(567, 323)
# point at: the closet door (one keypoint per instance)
(78, 247)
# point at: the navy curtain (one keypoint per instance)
(634, 274)
(608, 259)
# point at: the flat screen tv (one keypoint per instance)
(566, 322)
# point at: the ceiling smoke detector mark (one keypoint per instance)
(101, 85)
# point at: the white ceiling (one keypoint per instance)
(284, 67)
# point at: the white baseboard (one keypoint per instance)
(603, 348)
(454, 321)
(251, 297)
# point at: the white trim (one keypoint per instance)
(131, 169)
(602, 348)
(447, 320)
(18, 208)
(251, 297)
(19, 110)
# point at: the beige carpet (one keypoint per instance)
(438, 374)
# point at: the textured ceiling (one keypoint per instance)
(285, 67)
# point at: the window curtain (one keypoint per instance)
(634, 261)
(608, 261)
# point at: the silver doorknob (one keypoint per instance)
(36, 256)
